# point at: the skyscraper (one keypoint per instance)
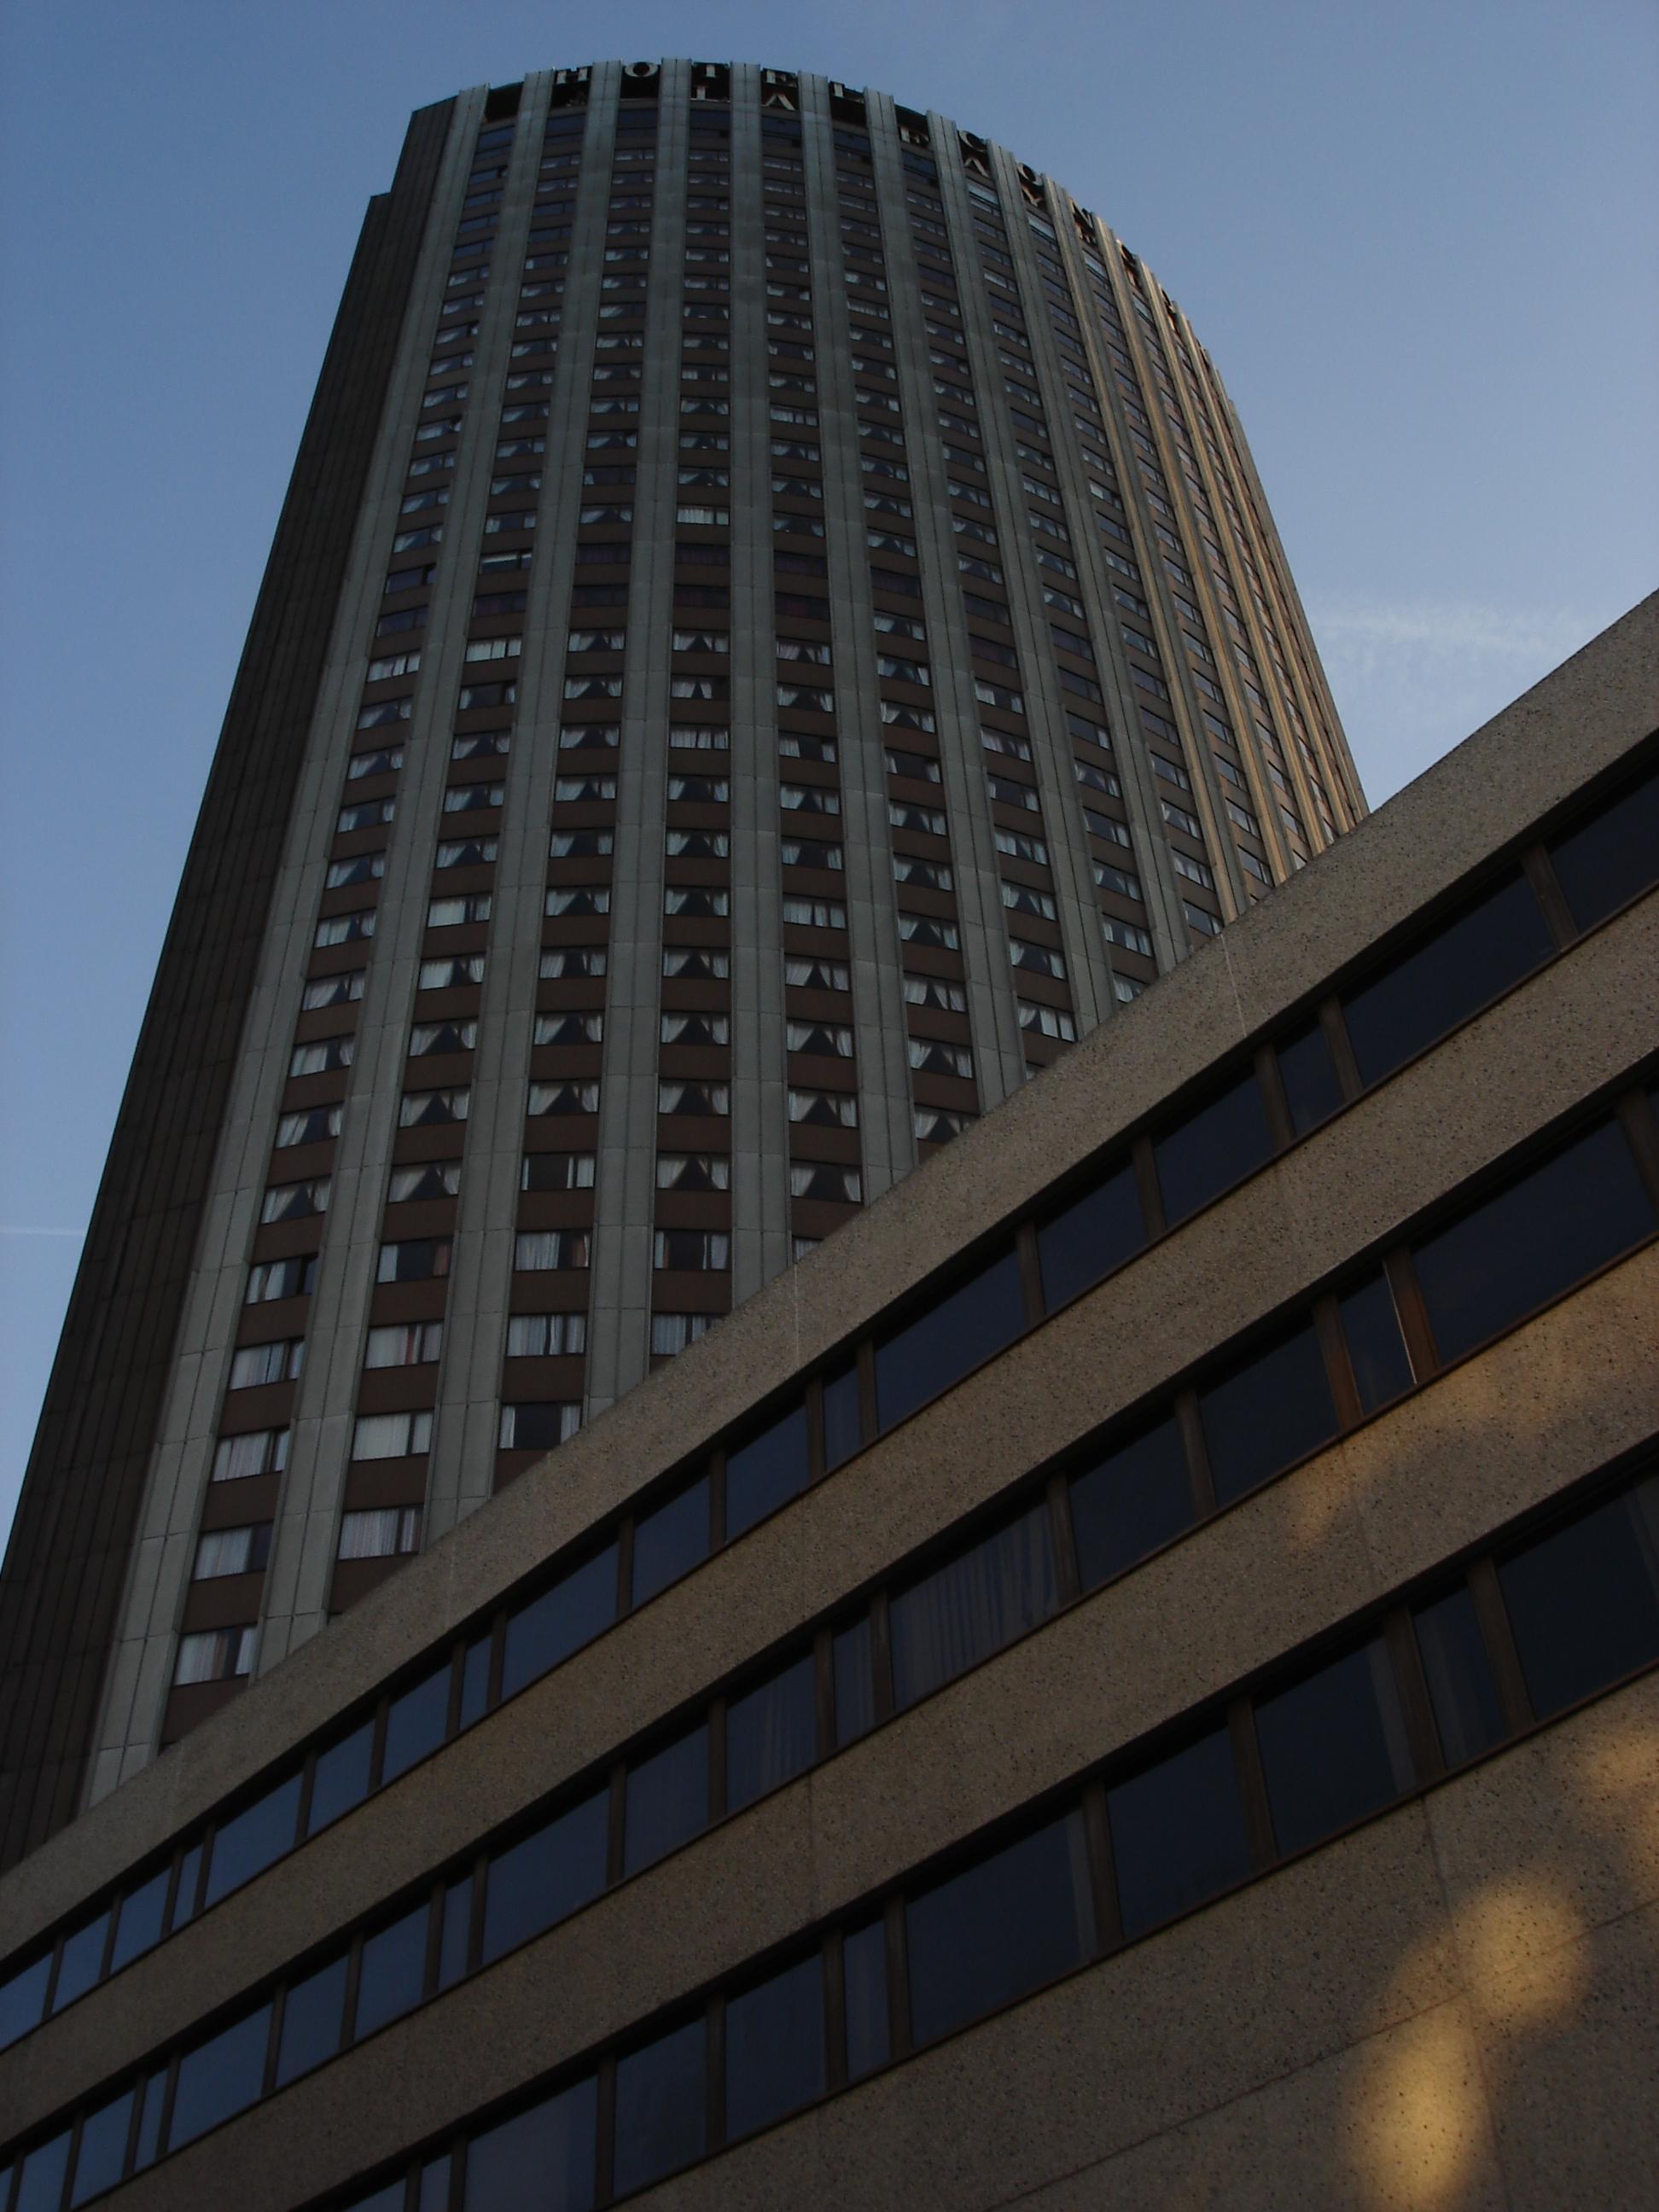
(774, 632)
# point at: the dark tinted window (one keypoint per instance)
(998, 1929)
(1127, 1503)
(150, 2120)
(559, 1621)
(843, 1425)
(23, 1999)
(1466, 1713)
(775, 2048)
(1376, 1350)
(1265, 1412)
(1533, 1241)
(189, 1876)
(1177, 1833)
(864, 1978)
(393, 1975)
(1311, 1089)
(855, 1689)
(220, 2077)
(542, 2158)
(415, 1723)
(971, 1605)
(670, 1541)
(660, 2121)
(313, 2012)
(667, 1799)
(1446, 980)
(82, 1957)
(771, 1733)
(1333, 1747)
(341, 1779)
(247, 1843)
(453, 1933)
(953, 1336)
(40, 2181)
(766, 1472)
(1613, 857)
(103, 2150)
(140, 1923)
(1583, 1602)
(1213, 1148)
(533, 1883)
(475, 1683)
(1095, 1234)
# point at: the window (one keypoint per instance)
(1333, 1746)
(545, 1336)
(1266, 1411)
(214, 1655)
(775, 2048)
(549, 1627)
(415, 1260)
(1584, 1599)
(1012, 1920)
(691, 1249)
(952, 1619)
(255, 1365)
(419, 1110)
(537, 1250)
(670, 1333)
(1178, 1833)
(1610, 857)
(537, 1882)
(666, 1799)
(391, 1435)
(413, 1344)
(661, 2121)
(536, 1426)
(1096, 1233)
(256, 1451)
(220, 2077)
(766, 1472)
(557, 1171)
(965, 1326)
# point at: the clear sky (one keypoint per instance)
(1418, 238)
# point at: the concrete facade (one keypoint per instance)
(1449, 2004)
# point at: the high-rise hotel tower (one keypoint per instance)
(774, 632)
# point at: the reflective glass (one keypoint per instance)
(661, 2121)
(771, 1733)
(103, 2148)
(247, 1843)
(82, 1957)
(667, 1799)
(1308, 1074)
(1265, 1412)
(1135, 1498)
(855, 1688)
(1429, 990)
(1376, 1350)
(941, 1345)
(1333, 1746)
(220, 2077)
(189, 1876)
(671, 1541)
(766, 1472)
(1178, 1833)
(1466, 1712)
(24, 2000)
(843, 1425)
(863, 1980)
(474, 1682)
(1583, 1601)
(1534, 1240)
(1095, 1234)
(40, 2177)
(577, 1608)
(775, 2048)
(543, 2157)
(341, 1777)
(139, 1926)
(553, 1870)
(971, 1605)
(393, 1975)
(986, 1936)
(1213, 1148)
(1613, 857)
(313, 2012)
(454, 1933)
(415, 1724)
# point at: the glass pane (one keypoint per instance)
(766, 1472)
(453, 1935)
(432, 2193)
(1333, 1746)
(972, 1606)
(671, 1541)
(667, 1799)
(941, 1345)
(415, 1724)
(1613, 857)
(987, 1934)
(660, 2119)
(855, 1687)
(842, 1428)
(775, 2048)
(1214, 1148)
(1447, 979)
(1583, 1602)
(220, 2077)
(341, 1779)
(139, 1927)
(864, 1976)
(533, 1883)
(1376, 1350)
(103, 2150)
(1311, 1089)
(559, 1621)
(1533, 1241)
(1267, 1411)
(83, 1956)
(1129, 1503)
(474, 1682)
(1178, 1833)
(24, 2000)
(1461, 1690)
(150, 2120)
(544, 2158)
(392, 1977)
(40, 2177)
(312, 2017)
(1096, 1233)
(248, 1844)
(771, 1733)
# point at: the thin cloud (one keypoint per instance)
(9, 1229)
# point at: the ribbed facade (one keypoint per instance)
(813, 643)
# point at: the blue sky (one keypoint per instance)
(1418, 239)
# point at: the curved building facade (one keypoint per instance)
(774, 632)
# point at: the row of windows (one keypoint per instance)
(1332, 1735)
